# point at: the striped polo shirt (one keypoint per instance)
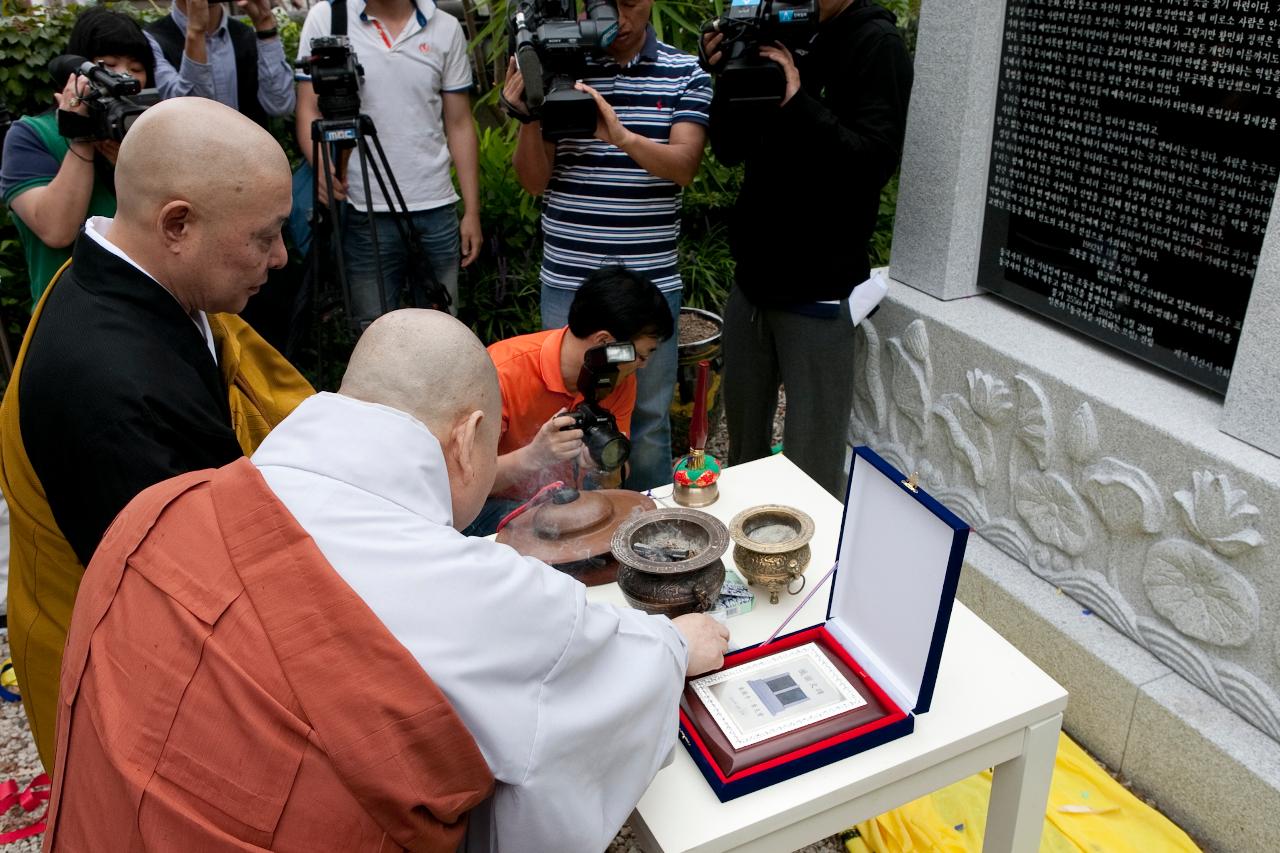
(600, 208)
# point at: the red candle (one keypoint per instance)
(698, 426)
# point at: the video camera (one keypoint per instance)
(114, 100)
(552, 49)
(335, 76)
(743, 76)
(608, 447)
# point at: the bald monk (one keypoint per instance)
(134, 367)
(258, 653)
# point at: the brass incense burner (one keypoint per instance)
(771, 547)
(670, 561)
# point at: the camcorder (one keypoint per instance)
(553, 50)
(335, 76)
(743, 76)
(114, 101)
(608, 447)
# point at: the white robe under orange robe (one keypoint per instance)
(223, 690)
(573, 704)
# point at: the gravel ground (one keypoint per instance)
(18, 760)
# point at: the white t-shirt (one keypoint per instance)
(404, 82)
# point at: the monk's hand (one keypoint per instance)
(554, 443)
(708, 640)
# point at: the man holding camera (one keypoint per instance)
(539, 375)
(615, 198)
(832, 138)
(52, 183)
(201, 51)
(417, 75)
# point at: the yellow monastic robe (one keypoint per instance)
(44, 572)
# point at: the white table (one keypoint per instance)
(991, 708)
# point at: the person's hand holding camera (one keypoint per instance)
(198, 17)
(71, 99)
(609, 128)
(711, 49)
(513, 93)
(778, 53)
(259, 11)
(554, 443)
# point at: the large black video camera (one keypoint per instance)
(335, 76)
(743, 76)
(114, 100)
(608, 447)
(553, 49)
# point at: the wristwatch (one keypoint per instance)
(264, 35)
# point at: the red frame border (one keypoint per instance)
(818, 634)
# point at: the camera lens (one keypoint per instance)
(608, 447)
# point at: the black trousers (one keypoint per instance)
(813, 358)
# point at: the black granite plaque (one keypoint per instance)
(1133, 165)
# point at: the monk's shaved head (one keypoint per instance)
(194, 149)
(425, 363)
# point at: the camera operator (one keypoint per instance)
(52, 186)
(815, 166)
(417, 75)
(615, 198)
(201, 51)
(539, 376)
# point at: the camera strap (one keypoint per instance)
(338, 24)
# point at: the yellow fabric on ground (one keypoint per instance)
(1088, 812)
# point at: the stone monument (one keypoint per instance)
(1086, 259)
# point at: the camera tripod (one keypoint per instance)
(332, 135)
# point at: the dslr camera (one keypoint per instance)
(335, 76)
(608, 447)
(744, 78)
(553, 49)
(114, 100)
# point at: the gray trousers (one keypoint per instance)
(813, 358)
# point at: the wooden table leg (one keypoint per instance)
(1020, 790)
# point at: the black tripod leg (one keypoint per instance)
(362, 148)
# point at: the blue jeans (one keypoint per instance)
(655, 384)
(438, 236)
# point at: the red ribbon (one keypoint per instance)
(30, 798)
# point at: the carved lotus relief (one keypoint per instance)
(1125, 497)
(1035, 419)
(868, 384)
(1218, 514)
(909, 386)
(969, 435)
(1200, 594)
(1082, 435)
(1054, 512)
(991, 398)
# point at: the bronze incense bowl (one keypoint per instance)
(771, 547)
(573, 530)
(670, 561)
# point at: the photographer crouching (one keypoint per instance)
(52, 184)
(817, 114)
(569, 394)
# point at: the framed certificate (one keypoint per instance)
(770, 705)
(776, 695)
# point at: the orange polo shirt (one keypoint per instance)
(533, 390)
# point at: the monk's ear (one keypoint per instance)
(175, 220)
(466, 441)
